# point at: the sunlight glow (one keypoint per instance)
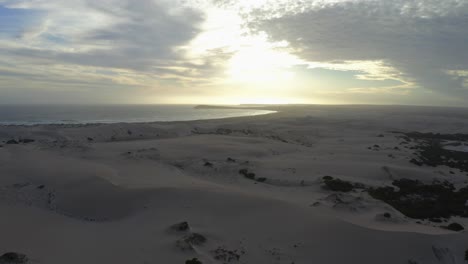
(253, 59)
(268, 101)
(260, 62)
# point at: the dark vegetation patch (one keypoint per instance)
(455, 227)
(424, 201)
(454, 137)
(13, 258)
(338, 185)
(466, 255)
(374, 147)
(429, 150)
(26, 140)
(251, 176)
(180, 227)
(208, 164)
(193, 261)
(224, 131)
(195, 239)
(435, 202)
(226, 255)
(188, 242)
(327, 178)
(247, 174)
(23, 140)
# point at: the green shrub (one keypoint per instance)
(13, 258)
(455, 227)
(424, 201)
(193, 261)
(250, 175)
(338, 185)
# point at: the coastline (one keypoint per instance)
(140, 120)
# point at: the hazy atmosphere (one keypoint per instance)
(234, 131)
(230, 52)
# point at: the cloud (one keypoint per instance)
(123, 34)
(142, 43)
(420, 39)
(198, 47)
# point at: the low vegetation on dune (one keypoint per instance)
(247, 174)
(414, 199)
(455, 227)
(337, 185)
(430, 150)
(251, 176)
(424, 201)
(193, 261)
(439, 136)
(13, 258)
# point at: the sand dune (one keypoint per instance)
(252, 187)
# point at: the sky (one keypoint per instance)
(234, 51)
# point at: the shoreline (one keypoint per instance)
(273, 109)
(78, 124)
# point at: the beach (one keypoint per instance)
(301, 185)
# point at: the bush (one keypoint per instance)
(180, 227)
(250, 175)
(195, 239)
(338, 185)
(247, 174)
(424, 201)
(13, 258)
(455, 227)
(431, 152)
(193, 261)
(243, 171)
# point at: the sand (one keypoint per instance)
(109, 193)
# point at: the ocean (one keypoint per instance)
(83, 114)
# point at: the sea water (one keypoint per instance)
(82, 114)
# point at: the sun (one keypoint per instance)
(259, 61)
